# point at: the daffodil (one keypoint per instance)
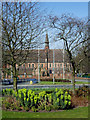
(24, 98)
(69, 97)
(56, 89)
(27, 99)
(57, 99)
(66, 93)
(69, 103)
(61, 97)
(66, 97)
(65, 102)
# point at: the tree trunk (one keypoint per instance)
(14, 78)
(73, 81)
(15, 83)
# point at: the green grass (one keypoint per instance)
(0, 107)
(81, 112)
(51, 83)
(59, 83)
(82, 82)
(0, 99)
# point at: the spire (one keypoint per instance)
(46, 41)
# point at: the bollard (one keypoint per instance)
(31, 82)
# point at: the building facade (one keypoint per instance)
(42, 60)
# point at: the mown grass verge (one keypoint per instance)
(81, 112)
(60, 83)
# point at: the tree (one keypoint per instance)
(21, 26)
(73, 32)
(81, 58)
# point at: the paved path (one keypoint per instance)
(82, 80)
(28, 86)
(42, 86)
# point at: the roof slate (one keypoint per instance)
(33, 56)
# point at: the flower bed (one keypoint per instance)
(27, 100)
(46, 100)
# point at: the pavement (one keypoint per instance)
(28, 86)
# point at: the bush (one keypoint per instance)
(18, 108)
(79, 101)
(11, 103)
(41, 107)
(13, 107)
(48, 107)
(7, 105)
(34, 109)
(82, 91)
(26, 108)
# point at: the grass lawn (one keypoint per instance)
(0, 107)
(81, 112)
(59, 83)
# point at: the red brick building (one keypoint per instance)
(45, 59)
(45, 56)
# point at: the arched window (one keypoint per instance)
(55, 65)
(32, 65)
(24, 65)
(41, 65)
(29, 65)
(50, 65)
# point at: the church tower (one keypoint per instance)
(46, 42)
(46, 54)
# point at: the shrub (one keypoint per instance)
(13, 107)
(26, 108)
(41, 107)
(11, 103)
(82, 91)
(18, 108)
(48, 107)
(34, 109)
(7, 105)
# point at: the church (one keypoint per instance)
(46, 62)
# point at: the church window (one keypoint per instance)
(60, 65)
(42, 65)
(32, 65)
(55, 65)
(24, 65)
(50, 64)
(29, 65)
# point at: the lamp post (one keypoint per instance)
(38, 66)
(11, 72)
(88, 59)
(53, 61)
(63, 63)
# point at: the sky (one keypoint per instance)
(78, 9)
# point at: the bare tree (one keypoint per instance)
(73, 32)
(21, 26)
(81, 59)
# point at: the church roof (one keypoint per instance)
(33, 56)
